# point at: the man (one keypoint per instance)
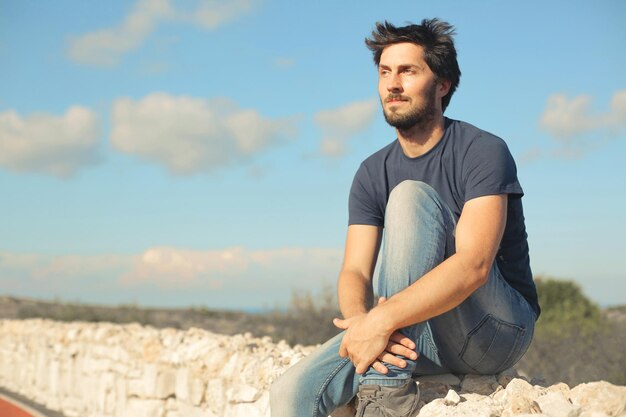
(455, 281)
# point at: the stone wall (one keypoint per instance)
(107, 370)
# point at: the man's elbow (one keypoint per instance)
(481, 276)
(477, 271)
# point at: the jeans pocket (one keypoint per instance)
(493, 345)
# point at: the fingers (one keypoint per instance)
(392, 360)
(342, 324)
(400, 350)
(402, 339)
(343, 352)
(361, 368)
(380, 367)
(382, 300)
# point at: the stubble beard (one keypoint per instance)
(418, 117)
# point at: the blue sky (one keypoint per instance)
(201, 152)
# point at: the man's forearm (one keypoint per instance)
(354, 293)
(438, 291)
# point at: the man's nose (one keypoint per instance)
(394, 83)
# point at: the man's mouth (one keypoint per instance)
(395, 99)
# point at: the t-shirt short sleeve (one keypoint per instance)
(362, 206)
(489, 168)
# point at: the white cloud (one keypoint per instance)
(107, 46)
(210, 14)
(253, 277)
(189, 135)
(576, 128)
(171, 267)
(339, 125)
(233, 267)
(54, 272)
(56, 145)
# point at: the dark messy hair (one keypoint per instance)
(435, 36)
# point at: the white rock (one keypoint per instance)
(519, 405)
(216, 395)
(263, 403)
(517, 388)
(438, 408)
(196, 391)
(600, 396)
(171, 404)
(230, 368)
(136, 388)
(187, 410)
(452, 398)
(106, 370)
(243, 394)
(121, 398)
(594, 414)
(474, 397)
(182, 384)
(165, 384)
(145, 408)
(245, 410)
(555, 404)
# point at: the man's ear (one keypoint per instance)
(443, 87)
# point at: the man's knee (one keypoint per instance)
(412, 190)
(415, 201)
(408, 195)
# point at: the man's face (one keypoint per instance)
(408, 91)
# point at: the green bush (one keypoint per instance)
(574, 341)
(566, 310)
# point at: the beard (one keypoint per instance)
(420, 116)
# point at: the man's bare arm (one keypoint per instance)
(356, 296)
(354, 288)
(478, 236)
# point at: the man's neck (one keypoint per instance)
(420, 139)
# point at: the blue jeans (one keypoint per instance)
(485, 334)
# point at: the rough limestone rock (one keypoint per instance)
(555, 404)
(600, 397)
(107, 370)
(452, 398)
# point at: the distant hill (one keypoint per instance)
(218, 321)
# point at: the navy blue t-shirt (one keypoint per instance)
(466, 163)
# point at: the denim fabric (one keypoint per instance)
(487, 333)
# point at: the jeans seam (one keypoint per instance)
(492, 340)
(334, 372)
(521, 330)
(433, 346)
(516, 349)
(469, 337)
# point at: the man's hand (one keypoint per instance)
(398, 344)
(365, 344)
